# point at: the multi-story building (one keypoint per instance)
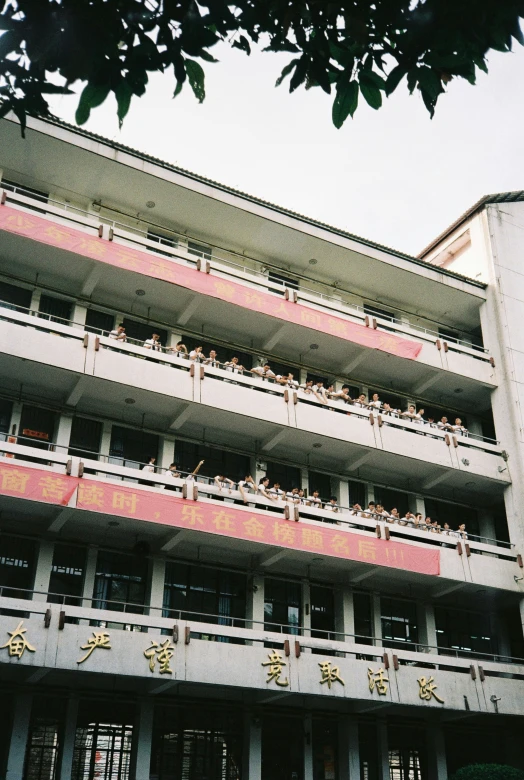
(172, 627)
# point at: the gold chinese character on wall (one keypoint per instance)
(427, 689)
(378, 680)
(161, 652)
(275, 663)
(99, 640)
(330, 674)
(17, 644)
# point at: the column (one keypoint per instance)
(89, 579)
(79, 316)
(35, 300)
(417, 504)
(173, 339)
(252, 747)
(63, 434)
(304, 481)
(255, 604)
(105, 441)
(340, 489)
(437, 768)
(306, 612)
(142, 740)
(427, 626)
(156, 592)
(370, 493)
(166, 455)
(474, 426)
(383, 751)
(344, 615)
(377, 619)
(19, 736)
(348, 749)
(308, 747)
(43, 570)
(15, 418)
(68, 743)
(487, 526)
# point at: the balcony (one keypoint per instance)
(93, 373)
(345, 333)
(81, 639)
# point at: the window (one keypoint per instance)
(281, 279)
(399, 623)
(404, 765)
(282, 606)
(374, 311)
(130, 447)
(322, 612)
(364, 631)
(99, 321)
(120, 582)
(282, 747)
(47, 719)
(6, 409)
(38, 426)
(85, 438)
(67, 574)
(55, 309)
(469, 632)
(140, 331)
(199, 250)
(325, 749)
(204, 594)
(224, 353)
(357, 492)
(103, 741)
(320, 482)
(17, 298)
(453, 514)
(449, 335)
(231, 464)
(17, 565)
(392, 499)
(288, 476)
(162, 240)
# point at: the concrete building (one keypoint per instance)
(163, 625)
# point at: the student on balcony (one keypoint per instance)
(212, 360)
(246, 485)
(443, 425)
(458, 428)
(375, 403)
(119, 333)
(263, 488)
(150, 468)
(153, 343)
(172, 473)
(264, 371)
(196, 354)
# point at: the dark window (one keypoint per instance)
(320, 482)
(449, 335)
(232, 465)
(363, 618)
(197, 743)
(12, 297)
(38, 426)
(204, 594)
(317, 378)
(67, 574)
(354, 391)
(469, 632)
(392, 499)
(399, 623)
(395, 401)
(404, 764)
(325, 749)
(223, 353)
(322, 612)
(17, 566)
(357, 493)
(279, 368)
(99, 322)
(45, 732)
(282, 606)
(282, 748)
(285, 281)
(453, 514)
(374, 311)
(85, 438)
(407, 752)
(199, 250)
(104, 733)
(288, 476)
(55, 309)
(140, 331)
(6, 410)
(162, 240)
(131, 448)
(120, 582)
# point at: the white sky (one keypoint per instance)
(393, 176)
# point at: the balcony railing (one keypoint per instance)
(109, 467)
(223, 266)
(131, 348)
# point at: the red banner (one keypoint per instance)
(222, 519)
(144, 263)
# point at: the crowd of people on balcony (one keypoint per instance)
(319, 390)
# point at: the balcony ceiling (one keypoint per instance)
(83, 170)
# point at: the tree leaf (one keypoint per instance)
(286, 71)
(299, 75)
(196, 76)
(370, 92)
(93, 95)
(123, 94)
(345, 103)
(55, 89)
(178, 89)
(394, 78)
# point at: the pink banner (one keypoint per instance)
(65, 237)
(222, 519)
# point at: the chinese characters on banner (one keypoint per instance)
(112, 253)
(36, 485)
(159, 655)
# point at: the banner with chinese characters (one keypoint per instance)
(130, 259)
(224, 520)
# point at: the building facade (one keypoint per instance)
(262, 636)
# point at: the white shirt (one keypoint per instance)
(305, 388)
(314, 500)
(229, 366)
(259, 371)
(149, 467)
(321, 390)
(276, 492)
(194, 354)
(212, 362)
(375, 404)
(152, 344)
(116, 335)
(246, 485)
(329, 507)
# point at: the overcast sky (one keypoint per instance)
(393, 176)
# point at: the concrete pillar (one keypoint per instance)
(344, 615)
(370, 493)
(253, 748)
(43, 569)
(416, 504)
(503, 640)
(156, 591)
(105, 441)
(166, 454)
(427, 626)
(302, 376)
(89, 577)
(15, 418)
(487, 526)
(19, 736)
(474, 426)
(306, 612)
(63, 433)
(522, 613)
(255, 605)
(79, 316)
(348, 749)
(304, 481)
(308, 747)
(68, 739)
(437, 768)
(340, 489)
(383, 751)
(35, 300)
(173, 339)
(377, 619)
(142, 741)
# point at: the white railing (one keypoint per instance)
(221, 266)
